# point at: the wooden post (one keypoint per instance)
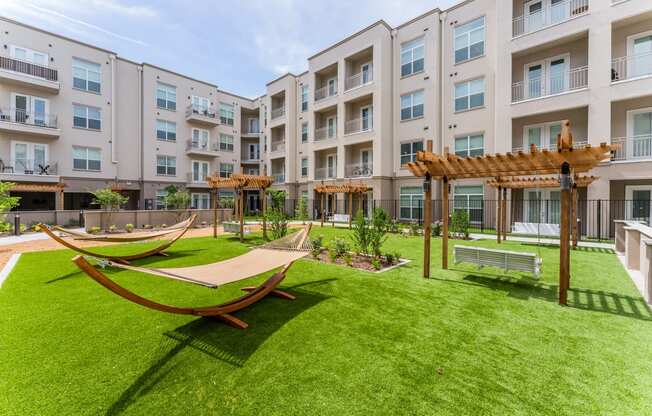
(427, 220)
(503, 212)
(564, 237)
(334, 196)
(444, 214)
(498, 214)
(350, 208)
(241, 214)
(215, 213)
(264, 204)
(574, 229)
(323, 207)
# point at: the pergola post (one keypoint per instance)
(264, 206)
(564, 235)
(323, 207)
(214, 192)
(499, 216)
(503, 213)
(241, 213)
(350, 208)
(574, 227)
(444, 213)
(427, 220)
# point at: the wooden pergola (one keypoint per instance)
(57, 188)
(349, 188)
(240, 182)
(503, 184)
(565, 161)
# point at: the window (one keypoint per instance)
(160, 199)
(199, 171)
(412, 57)
(200, 201)
(86, 158)
(409, 151)
(226, 142)
(471, 200)
(226, 199)
(412, 105)
(226, 114)
(304, 167)
(166, 96)
(469, 40)
(471, 145)
(304, 132)
(469, 94)
(226, 169)
(86, 117)
(411, 202)
(543, 136)
(200, 104)
(200, 139)
(29, 55)
(166, 130)
(166, 165)
(304, 98)
(86, 75)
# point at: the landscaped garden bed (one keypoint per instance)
(360, 261)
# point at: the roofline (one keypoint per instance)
(88, 45)
(280, 78)
(359, 32)
(242, 97)
(421, 16)
(459, 4)
(169, 71)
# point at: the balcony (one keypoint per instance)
(325, 133)
(202, 115)
(549, 146)
(15, 120)
(249, 133)
(325, 173)
(29, 74)
(533, 88)
(326, 92)
(358, 170)
(278, 113)
(632, 148)
(196, 180)
(537, 16)
(29, 170)
(278, 177)
(277, 147)
(631, 67)
(194, 147)
(358, 80)
(358, 125)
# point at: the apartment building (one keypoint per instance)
(75, 118)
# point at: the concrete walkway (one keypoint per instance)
(24, 238)
(542, 241)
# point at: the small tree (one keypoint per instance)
(460, 224)
(177, 199)
(278, 223)
(7, 202)
(278, 198)
(109, 200)
(361, 233)
(302, 210)
(378, 234)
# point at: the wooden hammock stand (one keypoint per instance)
(349, 189)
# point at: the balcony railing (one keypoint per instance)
(631, 66)
(324, 133)
(247, 132)
(28, 68)
(550, 146)
(202, 111)
(358, 125)
(633, 148)
(574, 79)
(278, 112)
(548, 16)
(359, 170)
(29, 167)
(278, 146)
(278, 177)
(325, 92)
(16, 115)
(358, 80)
(202, 146)
(192, 178)
(325, 173)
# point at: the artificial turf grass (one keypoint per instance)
(463, 342)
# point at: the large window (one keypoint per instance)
(200, 170)
(469, 40)
(166, 165)
(86, 158)
(409, 151)
(304, 132)
(412, 105)
(412, 57)
(29, 55)
(470, 199)
(469, 94)
(86, 75)
(304, 98)
(166, 96)
(200, 104)
(85, 117)
(166, 130)
(226, 169)
(543, 136)
(304, 167)
(226, 114)
(160, 199)
(226, 142)
(411, 202)
(226, 199)
(200, 201)
(471, 145)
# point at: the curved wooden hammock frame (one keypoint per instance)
(156, 251)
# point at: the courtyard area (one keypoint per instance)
(464, 342)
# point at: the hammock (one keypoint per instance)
(125, 238)
(126, 258)
(282, 252)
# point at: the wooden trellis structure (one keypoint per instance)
(239, 183)
(348, 188)
(565, 161)
(502, 184)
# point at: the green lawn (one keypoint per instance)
(464, 342)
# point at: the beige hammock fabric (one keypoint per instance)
(259, 260)
(125, 238)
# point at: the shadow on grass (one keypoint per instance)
(219, 341)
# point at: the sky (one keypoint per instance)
(237, 45)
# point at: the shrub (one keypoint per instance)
(94, 230)
(436, 229)
(278, 223)
(317, 245)
(148, 226)
(301, 212)
(332, 254)
(460, 224)
(5, 227)
(375, 262)
(394, 226)
(112, 228)
(164, 226)
(397, 256)
(415, 229)
(23, 228)
(389, 257)
(378, 234)
(129, 228)
(361, 233)
(339, 246)
(35, 228)
(348, 259)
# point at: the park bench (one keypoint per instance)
(502, 259)
(533, 228)
(234, 227)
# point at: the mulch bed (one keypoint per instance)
(358, 261)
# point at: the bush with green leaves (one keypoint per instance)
(174, 198)
(436, 229)
(5, 226)
(339, 246)
(278, 223)
(415, 229)
(108, 199)
(113, 228)
(361, 233)
(375, 262)
(378, 234)
(389, 257)
(317, 244)
(301, 211)
(348, 259)
(7, 202)
(394, 226)
(94, 230)
(460, 224)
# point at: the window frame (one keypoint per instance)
(167, 165)
(85, 65)
(167, 131)
(413, 154)
(224, 113)
(226, 173)
(468, 148)
(169, 90)
(87, 117)
(226, 143)
(467, 201)
(467, 34)
(411, 50)
(87, 160)
(304, 97)
(307, 167)
(469, 94)
(412, 106)
(413, 197)
(304, 132)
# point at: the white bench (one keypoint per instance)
(549, 230)
(234, 227)
(339, 218)
(506, 260)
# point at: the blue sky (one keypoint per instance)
(238, 45)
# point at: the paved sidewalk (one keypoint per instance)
(23, 238)
(543, 240)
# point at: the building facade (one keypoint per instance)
(482, 77)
